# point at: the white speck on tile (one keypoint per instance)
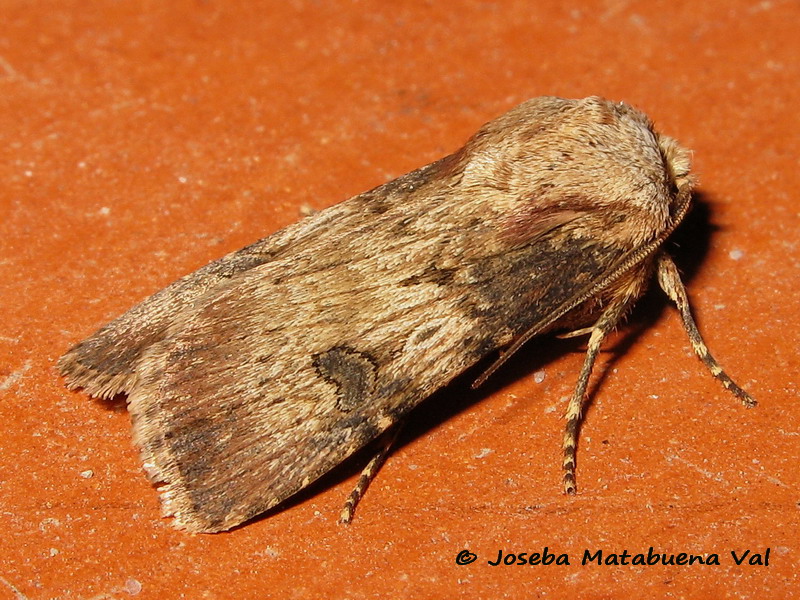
(484, 452)
(132, 586)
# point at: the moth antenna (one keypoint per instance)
(368, 474)
(670, 281)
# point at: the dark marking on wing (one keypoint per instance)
(554, 269)
(426, 333)
(431, 274)
(353, 373)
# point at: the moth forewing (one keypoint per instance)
(257, 374)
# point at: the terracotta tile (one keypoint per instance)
(140, 140)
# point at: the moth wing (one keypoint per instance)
(268, 384)
(274, 378)
(103, 364)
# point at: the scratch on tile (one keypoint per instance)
(6, 66)
(12, 379)
(17, 594)
(10, 72)
(771, 478)
(704, 472)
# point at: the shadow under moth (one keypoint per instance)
(253, 376)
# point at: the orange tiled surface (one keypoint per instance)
(140, 140)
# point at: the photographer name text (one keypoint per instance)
(650, 557)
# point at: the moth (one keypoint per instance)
(253, 376)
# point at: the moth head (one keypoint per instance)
(589, 156)
(651, 171)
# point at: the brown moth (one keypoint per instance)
(252, 377)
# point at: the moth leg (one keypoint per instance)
(607, 321)
(576, 333)
(368, 474)
(670, 282)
